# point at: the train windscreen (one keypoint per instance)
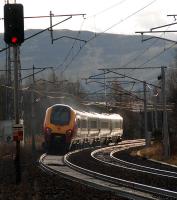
(60, 115)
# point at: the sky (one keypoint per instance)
(113, 16)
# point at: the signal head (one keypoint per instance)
(13, 24)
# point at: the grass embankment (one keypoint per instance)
(155, 152)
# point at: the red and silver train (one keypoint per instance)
(65, 127)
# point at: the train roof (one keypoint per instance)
(98, 115)
(60, 105)
(92, 114)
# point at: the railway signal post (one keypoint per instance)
(14, 37)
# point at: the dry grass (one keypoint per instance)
(6, 150)
(155, 151)
(9, 149)
(38, 139)
(173, 160)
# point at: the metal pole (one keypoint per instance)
(155, 113)
(6, 89)
(9, 83)
(33, 73)
(105, 92)
(51, 30)
(33, 121)
(16, 114)
(166, 142)
(152, 120)
(145, 117)
(16, 85)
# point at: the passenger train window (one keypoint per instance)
(104, 125)
(83, 123)
(121, 124)
(93, 124)
(78, 123)
(60, 115)
(116, 124)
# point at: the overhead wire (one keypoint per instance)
(67, 65)
(152, 44)
(112, 26)
(123, 90)
(121, 21)
(27, 38)
(70, 51)
(138, 56)
(142, 53)
(157, 55)
(150, 59)
(95, 36)
(106, 9)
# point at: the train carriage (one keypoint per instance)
(65, 127)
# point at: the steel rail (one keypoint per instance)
(122, 192)
(118, 181)
(137, 166)
(155, 192)
(44, 167)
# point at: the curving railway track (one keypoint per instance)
(127, 179)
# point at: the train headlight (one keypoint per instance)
(48, 130)
(69, 135)
(69, 131)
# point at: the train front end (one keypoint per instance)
(59, 128)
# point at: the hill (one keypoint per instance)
(79, 59)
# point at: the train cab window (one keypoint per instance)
(60, 115)
(84, 123)
(93, 124)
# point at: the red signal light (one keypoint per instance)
(14, 40)
(13, 24)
